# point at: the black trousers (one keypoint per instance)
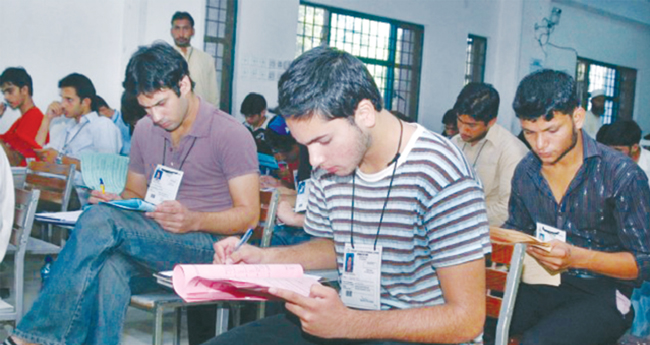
(579, 311)
(282, 329)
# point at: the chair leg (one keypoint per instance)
(236, 314)
(261, 308)
(158, 326)
(222, 319)
(177, 325)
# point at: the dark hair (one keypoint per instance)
(98, 103)
(182, 15)
(253, 104)
(81, 84)
(619, 133)
(277, 135)
(450, 117)
(155, 67)
(479, 101)
(543, 93)
(328, 82)
(131, 110)
(17, 76)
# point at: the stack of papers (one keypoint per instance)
(195, 283)
(59, 218)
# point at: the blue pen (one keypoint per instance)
(101, 185)
(243, 239)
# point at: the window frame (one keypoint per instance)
(392, 67)
(472, 54)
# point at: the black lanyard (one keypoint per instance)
(183, 161)
(390, 186)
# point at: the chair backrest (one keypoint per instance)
(502, 286)
(26, 203)
(268, 209)
(55, 182)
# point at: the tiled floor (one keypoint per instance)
(138, 327)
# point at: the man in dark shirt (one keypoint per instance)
(599, 197)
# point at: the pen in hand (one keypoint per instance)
(241, 242)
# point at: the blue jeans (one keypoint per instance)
(86, 296)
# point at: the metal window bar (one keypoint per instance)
(391, 50)
(475, 59)
(219, 41)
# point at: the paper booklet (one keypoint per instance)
(131, 204)
(196, 283)
(59, 218)
(507, 236)
(533, 273)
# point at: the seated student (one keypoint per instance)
(598, 198)
(90, 285)
(296, 159)
(29, 132)
(89, 133)
(393, 192)
(254, 110)
(625, 136)
(102, 108)
(449, 120)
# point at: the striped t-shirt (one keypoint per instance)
(435, 217)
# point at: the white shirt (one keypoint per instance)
(592, 124)
(93, 133)
(203, 73)
(494, 158)
(7, 203)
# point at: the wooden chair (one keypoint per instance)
(159, 301)
(502, 287)
(55, 181)
(26, 203)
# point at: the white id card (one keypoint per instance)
(302, 196)
(164, 184)
(361, 277)
(547, 233)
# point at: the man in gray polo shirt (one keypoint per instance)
(86, 296)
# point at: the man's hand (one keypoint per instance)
(558, 259)
(55, 109)
(225, 254)
(47, 155)
(174, 217)
(269, 182)
(322, 314)
(97, 196)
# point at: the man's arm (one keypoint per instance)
(621, 265)
(244, 213)
(459, 320)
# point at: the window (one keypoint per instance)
(219, 41)
(391, 50)
(475, 60)
(618, 82)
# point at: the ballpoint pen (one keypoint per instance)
(101, 185)
(243, 239)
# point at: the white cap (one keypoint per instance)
(597, 92)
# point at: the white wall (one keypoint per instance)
(52, 39)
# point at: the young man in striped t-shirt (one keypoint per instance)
(394, 202)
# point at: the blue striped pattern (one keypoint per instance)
(606, 207)
(435, 217)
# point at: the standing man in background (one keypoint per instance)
(492, 150)
(593, 116)
(202, 69)
(625, 136)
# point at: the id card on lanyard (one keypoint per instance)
(361, 277)
(164, 184)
